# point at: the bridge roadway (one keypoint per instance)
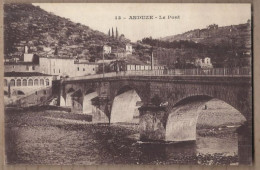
(171, 88)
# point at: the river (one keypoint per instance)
(34, 138)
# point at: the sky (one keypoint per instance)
(184, 17)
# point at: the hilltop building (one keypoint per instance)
(203, 63)
(129, 49)
(107, 49)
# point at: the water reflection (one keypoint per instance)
(184, 152)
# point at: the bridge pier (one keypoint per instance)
(152, 123)
(245, 144)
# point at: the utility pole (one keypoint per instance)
(116, 33)
(152, 60)
(9, 90)
(103, 62)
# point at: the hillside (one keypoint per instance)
(46, 34)
(226, 46)
(239, 35)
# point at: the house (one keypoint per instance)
(56, 66)
(21, 67)
(107, 49)
(203, 63)
(129, 49)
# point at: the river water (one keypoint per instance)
(35, 139)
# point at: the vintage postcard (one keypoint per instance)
(121, 83)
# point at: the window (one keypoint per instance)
(5, 82)
(12, 82)
(44, 92)
(27, 68)
(42, 82)
(47, 82)
(30, 82)
(36, 82)
(13, 66)
(78, 68)
(33, 67)
(24, 82)
(53, 70)
(36, 93)
(18, 82)
(59, 70)
(83, 69)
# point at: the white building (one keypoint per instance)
(107, 49)
(21, 67)
(28, 57)
(129, 49)
(26, 88)
(203, 63)
(23, 83)
(60, 67)
(63, 67)
(207, 61)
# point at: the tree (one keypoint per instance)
(109, 32)
(112, 32)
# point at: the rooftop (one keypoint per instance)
(19, 63)
(24, 74)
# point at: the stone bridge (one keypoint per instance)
(163, 102)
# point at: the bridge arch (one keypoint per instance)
(245, 110)
(71, 90)
(68, 98)
(76, 99)
(87, 107)
(20, 92)
(125, 104)
(182, 117)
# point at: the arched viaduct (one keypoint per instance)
(160, 95)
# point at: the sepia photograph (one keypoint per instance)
(128, 84)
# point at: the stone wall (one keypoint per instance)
(36, 98)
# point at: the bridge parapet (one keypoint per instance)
(214, 72)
